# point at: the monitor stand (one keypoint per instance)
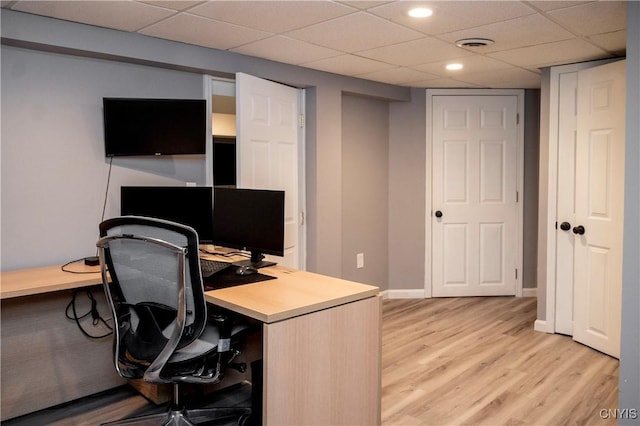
(256, 261)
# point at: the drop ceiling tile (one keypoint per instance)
(287, 50)
(472, 64)
(415, 52)
(272, 16)
(355, 32)
(557, 53)
(546, 5)
(348, 65)
(451, 16)
(203, 32)
(120, 15)
(519, 32)
(511, 78)
(444, 83)
(179, 5)
(375, 29)
(364, 4)
(593, 18)
(400, 75)
(615, 42)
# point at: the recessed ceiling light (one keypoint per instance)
(420, 12)
(453, 67)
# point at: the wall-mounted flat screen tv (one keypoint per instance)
(134, 126)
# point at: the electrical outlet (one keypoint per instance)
(360, 260)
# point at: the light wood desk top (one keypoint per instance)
(28, 282)
(293, 293)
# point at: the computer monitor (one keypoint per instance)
(249, 219)
(188, 205)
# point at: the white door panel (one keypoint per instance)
(565, 239)
(268, 149)
(474, 242)
(599, 207)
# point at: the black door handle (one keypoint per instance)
(438, 213)
(579, 230)
(565, 226)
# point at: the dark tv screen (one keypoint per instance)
(134, 126)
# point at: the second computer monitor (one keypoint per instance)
(249, 219)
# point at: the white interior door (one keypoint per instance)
(268, 144)
(475, 216)
(599, 207)
(566, 211)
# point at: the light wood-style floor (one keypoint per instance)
(452, 361)
(478, 361)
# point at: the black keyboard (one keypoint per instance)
(209, 267)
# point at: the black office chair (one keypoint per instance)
(152, 279)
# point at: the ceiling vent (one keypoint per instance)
(474, 42)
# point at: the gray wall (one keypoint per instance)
(407, 180)
(530, 197)
(630, 342)
(54, 172)
(365, 183)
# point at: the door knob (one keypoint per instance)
(438, 213)
(565, 226)
(579, 230)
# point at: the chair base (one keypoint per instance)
(209, 416)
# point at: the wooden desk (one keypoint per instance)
(321, 343)
(29, 282)
(321, 346)
(46, 360)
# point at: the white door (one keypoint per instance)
(268, 146)
(475, 214)
(599, 207)
(565, 239)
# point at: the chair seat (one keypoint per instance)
(206, 343)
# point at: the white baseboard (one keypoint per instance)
(404, 294)
(420, 293)
(542, 325)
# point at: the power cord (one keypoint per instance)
(64, 267)
(95, 315)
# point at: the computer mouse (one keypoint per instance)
(246, 270)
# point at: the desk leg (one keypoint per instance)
(324, 367)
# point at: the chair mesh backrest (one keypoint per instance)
(145, 279)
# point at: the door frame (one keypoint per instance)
(548, 239)
(430, 93)
(207, 93)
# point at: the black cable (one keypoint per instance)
(106, 192)
(63, 267)
(104, 209)
(97, 318)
